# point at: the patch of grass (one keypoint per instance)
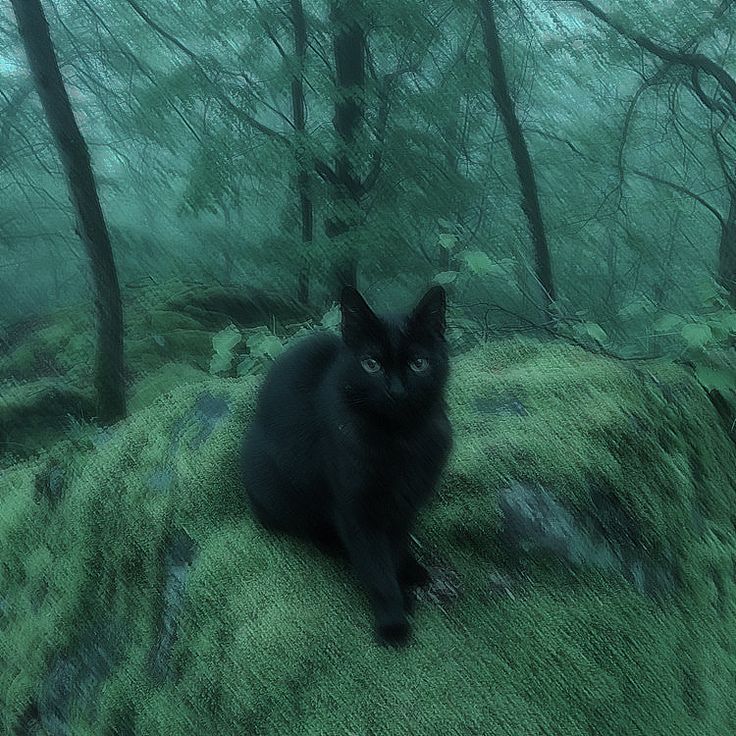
(276, 639)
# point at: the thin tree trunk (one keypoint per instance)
(306, 209)
(349, 48)
(91, 227)
(306, 206)
(727, 252)
(519, 149)
(454, 137)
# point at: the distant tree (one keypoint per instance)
(296, 63)
(349, 45)
(299, 113)
(519, 149)
(92, 229)
(354, 172)
(720, 105)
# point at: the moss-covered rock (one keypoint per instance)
(146, 601)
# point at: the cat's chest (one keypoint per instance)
(392, 466)
(380, 450)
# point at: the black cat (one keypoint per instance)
(348, 440)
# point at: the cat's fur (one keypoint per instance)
(346, 455)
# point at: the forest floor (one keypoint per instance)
(583, 546)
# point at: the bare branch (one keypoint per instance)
(244, 116)
(638, 172)
(693, 60)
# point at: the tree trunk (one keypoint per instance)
(519, 150)
(109, 369)
(349, 47)
(452, 141)
(298, 106)
(727, 252)
(306, 209)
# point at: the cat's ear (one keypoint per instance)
(358, 319)
(429, 314)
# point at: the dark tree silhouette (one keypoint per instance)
(727, 252)
(699, 65)
(298, 146)
(349, 48)
(91, 227)
(299, 112)
(519, 149)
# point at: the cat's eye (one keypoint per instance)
(370, 365)
(419, 365)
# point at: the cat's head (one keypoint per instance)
(398, 364)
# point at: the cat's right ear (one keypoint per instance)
(357, 318)
(430, 312)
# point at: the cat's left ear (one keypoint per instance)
(430, 312)
(357, 317)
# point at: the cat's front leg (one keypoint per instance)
(371, 556)
(410, 572)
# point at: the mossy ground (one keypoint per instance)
(54, 356)
(274, 638)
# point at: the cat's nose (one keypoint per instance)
(396, 389)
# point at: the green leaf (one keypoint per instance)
(220, 363)
(596, 332)
(225, 340)
(697, 335)
(265, 346)
(331, 318)
(635, 309)
(667, 323)
(480, 263)
(709, 291)
(445, 277)
(248, 366)
(447, 240)
(592, 330)
(727, 321)
(223, 343)
(721, 379)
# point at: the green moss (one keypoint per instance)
(37, 413)
(275, 639)
(156, 383)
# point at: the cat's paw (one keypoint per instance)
(410, 600)
(394, 633)
(414, 574)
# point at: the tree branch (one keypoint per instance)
(244, 116)
(692, 60)
(638, 172)
(381, 125)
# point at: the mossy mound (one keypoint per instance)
(163, 322)
(144, 599)
(44, 409)
(167, 326)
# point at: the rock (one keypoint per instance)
(179, 557)
(206, 414)
(501, 585)
(534, 519)
(443, 586)
(161, 479)
(73, 681)
(605, 537)
(507, 404)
